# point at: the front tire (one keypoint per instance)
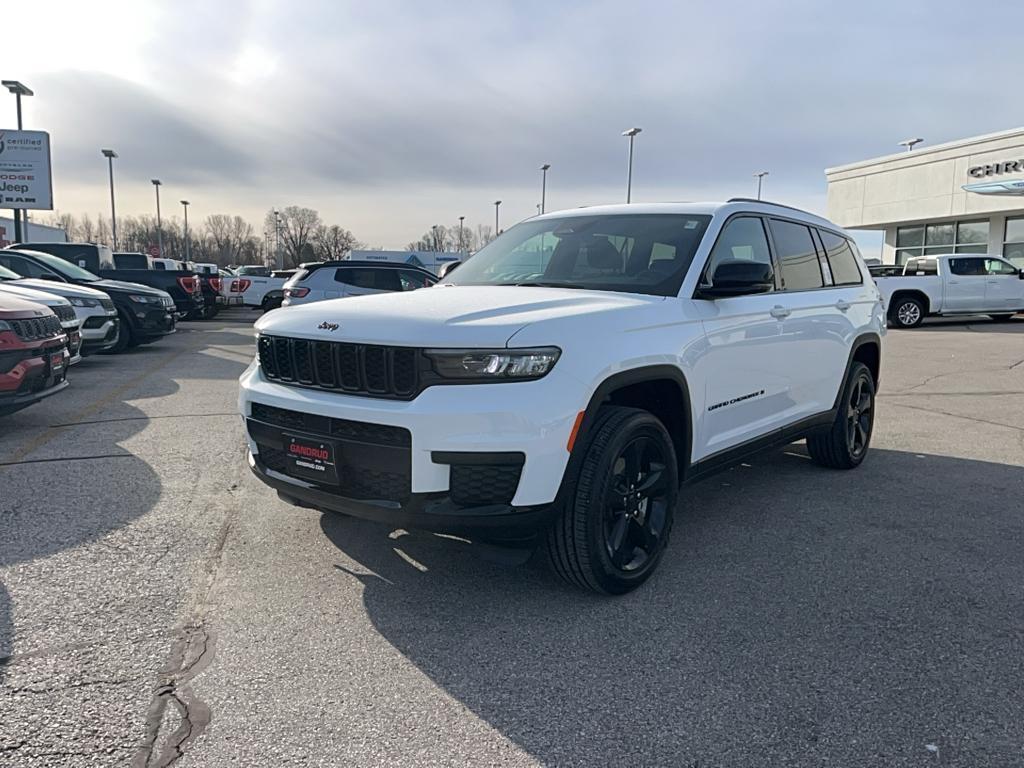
(1004, 318)
(125, 337)
(845, 444)
(907, 313)
(615, 522)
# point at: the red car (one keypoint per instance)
(33, 354)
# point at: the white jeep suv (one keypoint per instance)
(561, 385)
(339, 279)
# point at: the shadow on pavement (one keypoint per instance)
(800, 616)
(48, 507)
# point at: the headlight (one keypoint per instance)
(493, 364)
(141, 299)
(83, 302)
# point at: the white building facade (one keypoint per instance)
(964, 196)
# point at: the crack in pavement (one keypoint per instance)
(959, 416)
(191, 653)
(233, 414)
(68, 458)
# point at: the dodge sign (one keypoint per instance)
(25, 170)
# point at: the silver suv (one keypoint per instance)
(338, 279)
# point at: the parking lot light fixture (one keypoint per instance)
(759, 176)
(631, 133)
(184, 204)
(110, 155)
(159, 229)
(19, 90)
(910, 143)
(462, 246)
(544, 186)
(497, 205)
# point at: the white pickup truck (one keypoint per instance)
(953, 284)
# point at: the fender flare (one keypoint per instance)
(638, 376)
(865, 338)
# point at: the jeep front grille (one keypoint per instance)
(36, 328)
(358, 369)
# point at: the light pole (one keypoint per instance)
(110, 155)
(19, 90)
(632, 132)
(278, 261)
(188, 248)
(462, 245)
(159, 229)
(544, 185)
(909, 143)
(497, 204)
(760, 175)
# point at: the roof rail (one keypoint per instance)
(767, 202)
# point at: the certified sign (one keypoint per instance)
(25, 180)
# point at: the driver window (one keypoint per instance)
(997, 267)
(743, 239)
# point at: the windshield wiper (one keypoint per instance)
(548, 284)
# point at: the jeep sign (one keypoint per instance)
(25, 170)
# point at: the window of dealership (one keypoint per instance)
(965, 196)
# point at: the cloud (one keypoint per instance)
(335, 104)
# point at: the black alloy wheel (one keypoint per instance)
(636, 505)
(618, 500)
(860, 416)
(845, 444)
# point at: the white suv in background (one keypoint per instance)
(340, 279)
(563, 384)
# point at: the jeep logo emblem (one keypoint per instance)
(325, 326)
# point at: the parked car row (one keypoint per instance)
(62, 301)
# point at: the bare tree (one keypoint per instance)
(333, 242)
(296, 227)
(227, 236)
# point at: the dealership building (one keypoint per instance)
(965, 196)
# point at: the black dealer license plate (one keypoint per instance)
(311, 459)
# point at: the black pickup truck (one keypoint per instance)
(144, 313)
(183, 286)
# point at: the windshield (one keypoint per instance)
(66, 268)
(632, 253)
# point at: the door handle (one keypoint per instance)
(779, 312)
(842, 305)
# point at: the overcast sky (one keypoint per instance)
(389, 117)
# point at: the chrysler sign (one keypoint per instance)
(992, 169)
(25, 170)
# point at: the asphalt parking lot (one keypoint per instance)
(158, 605)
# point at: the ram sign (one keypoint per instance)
(25, 170)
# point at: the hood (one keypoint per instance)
(444, 316)
(30, 294)
(119, 286)
(58, 289)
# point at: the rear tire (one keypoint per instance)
(845, 444)
(615, 522)
(907, 313)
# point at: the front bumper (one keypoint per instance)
(33, 378)
(501, 523)
(102, 335)
(533, 419)
(151, 323)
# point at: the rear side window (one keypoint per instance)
(841, 260)
(967, 267)
(413, 280)
(373, 279)
(921, 267)
(798, 258)
(743, 239)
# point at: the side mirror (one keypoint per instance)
(736, 277)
